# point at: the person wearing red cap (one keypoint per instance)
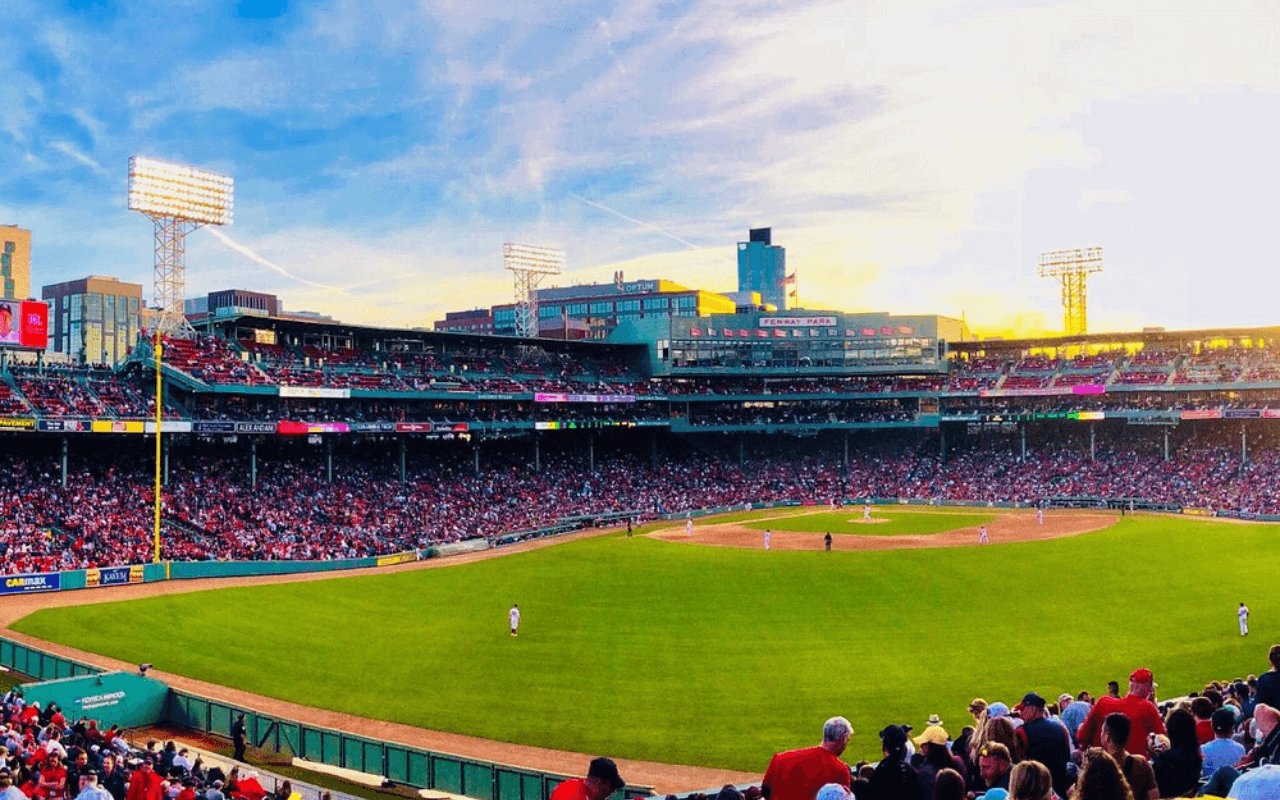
(1137, 706)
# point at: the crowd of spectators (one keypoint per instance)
(1222, 741)
(48, 756)
(217, 507)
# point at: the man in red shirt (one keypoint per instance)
(602, 780)
(1137, 706)
(145, 784)
(799, 774)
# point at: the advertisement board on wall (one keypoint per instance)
(22, 584)
(24, 323)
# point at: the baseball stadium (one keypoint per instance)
(720, 531)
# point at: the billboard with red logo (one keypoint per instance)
(24, 323)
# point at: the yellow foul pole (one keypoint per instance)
(159, 350)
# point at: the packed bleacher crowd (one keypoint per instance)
(49, 756)
(1222, 741)
(214, 510)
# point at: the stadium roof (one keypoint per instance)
(1149, 336)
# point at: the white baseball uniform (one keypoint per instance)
(1039, 516)
(514, 616)
(688, 527)
(982, 535)
(766, 540)
(1243, 614)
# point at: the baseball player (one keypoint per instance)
(866, 512)
(982, 534)
(514, 616)
(1243, 614)
(688, 527)
(1040, 516)
(766, 538)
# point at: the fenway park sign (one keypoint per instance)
(797, 322)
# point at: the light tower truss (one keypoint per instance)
(178, 200)
(1072, 268)
(530, 264)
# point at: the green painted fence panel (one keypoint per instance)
(509, 785)
(447, 773)
(113, 698)
(374, 755)
(312, 744)
(477, 779)
(291, 736)
(353, 753)
(531, 786)
(189, 570)
(420, 769)
(73, 579)
(331, 748)
(219, 718)
(398, 764)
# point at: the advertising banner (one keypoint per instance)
(327, 427)
(24, 323)
(63, 425)
(413, 427)
(1205, 413)
(397, 558)
(167, 426)
(287, 428)
(373, 427)
(135, 573)
(1242, 413)
(17, 424)
(213, 427)
(40, 582)
(553, 397)
(117, 426)
(255, 427)
(314, 391)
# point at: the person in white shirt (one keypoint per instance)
(514, 616)
(1243, 614)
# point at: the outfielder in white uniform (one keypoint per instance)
(866, 511)
(982, 534)
(514, 616)
(1039, 516)
(766, 539)
(688, 528)
(1243, 614)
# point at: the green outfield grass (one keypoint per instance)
(889, 522)
(647, 649)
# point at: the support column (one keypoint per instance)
(1166, 445)
(742, 449)
(1244, 443)
(475, 452)
(1022, 430)
(846, 452)
(591, 452)
(253, 463)
(328, 453)
(537, 453)
(402, 451)
(166, 444)
(64, 462)
(1093, 450)
(942, 443)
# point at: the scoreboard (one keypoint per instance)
(24, 324)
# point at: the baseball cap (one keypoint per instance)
(607, 771)
(932, 735)
(893, 736)
(996, 794)
(1142, 675)
(832, 791)
(997, 709)
(1033, 699)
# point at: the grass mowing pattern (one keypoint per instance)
(646, 649)
(899, 523)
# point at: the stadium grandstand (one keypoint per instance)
(406, 439)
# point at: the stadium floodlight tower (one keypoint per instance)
(530, 264)
(178, 200)
(1071, 268)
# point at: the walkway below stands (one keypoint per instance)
(666, 778)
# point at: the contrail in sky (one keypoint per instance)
(616, 213)
(247, 253)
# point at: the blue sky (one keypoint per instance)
(913, 156)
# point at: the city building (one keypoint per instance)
(476, 320)
(592, 311)
(15, 263)
(93, 320)
(762, 267)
